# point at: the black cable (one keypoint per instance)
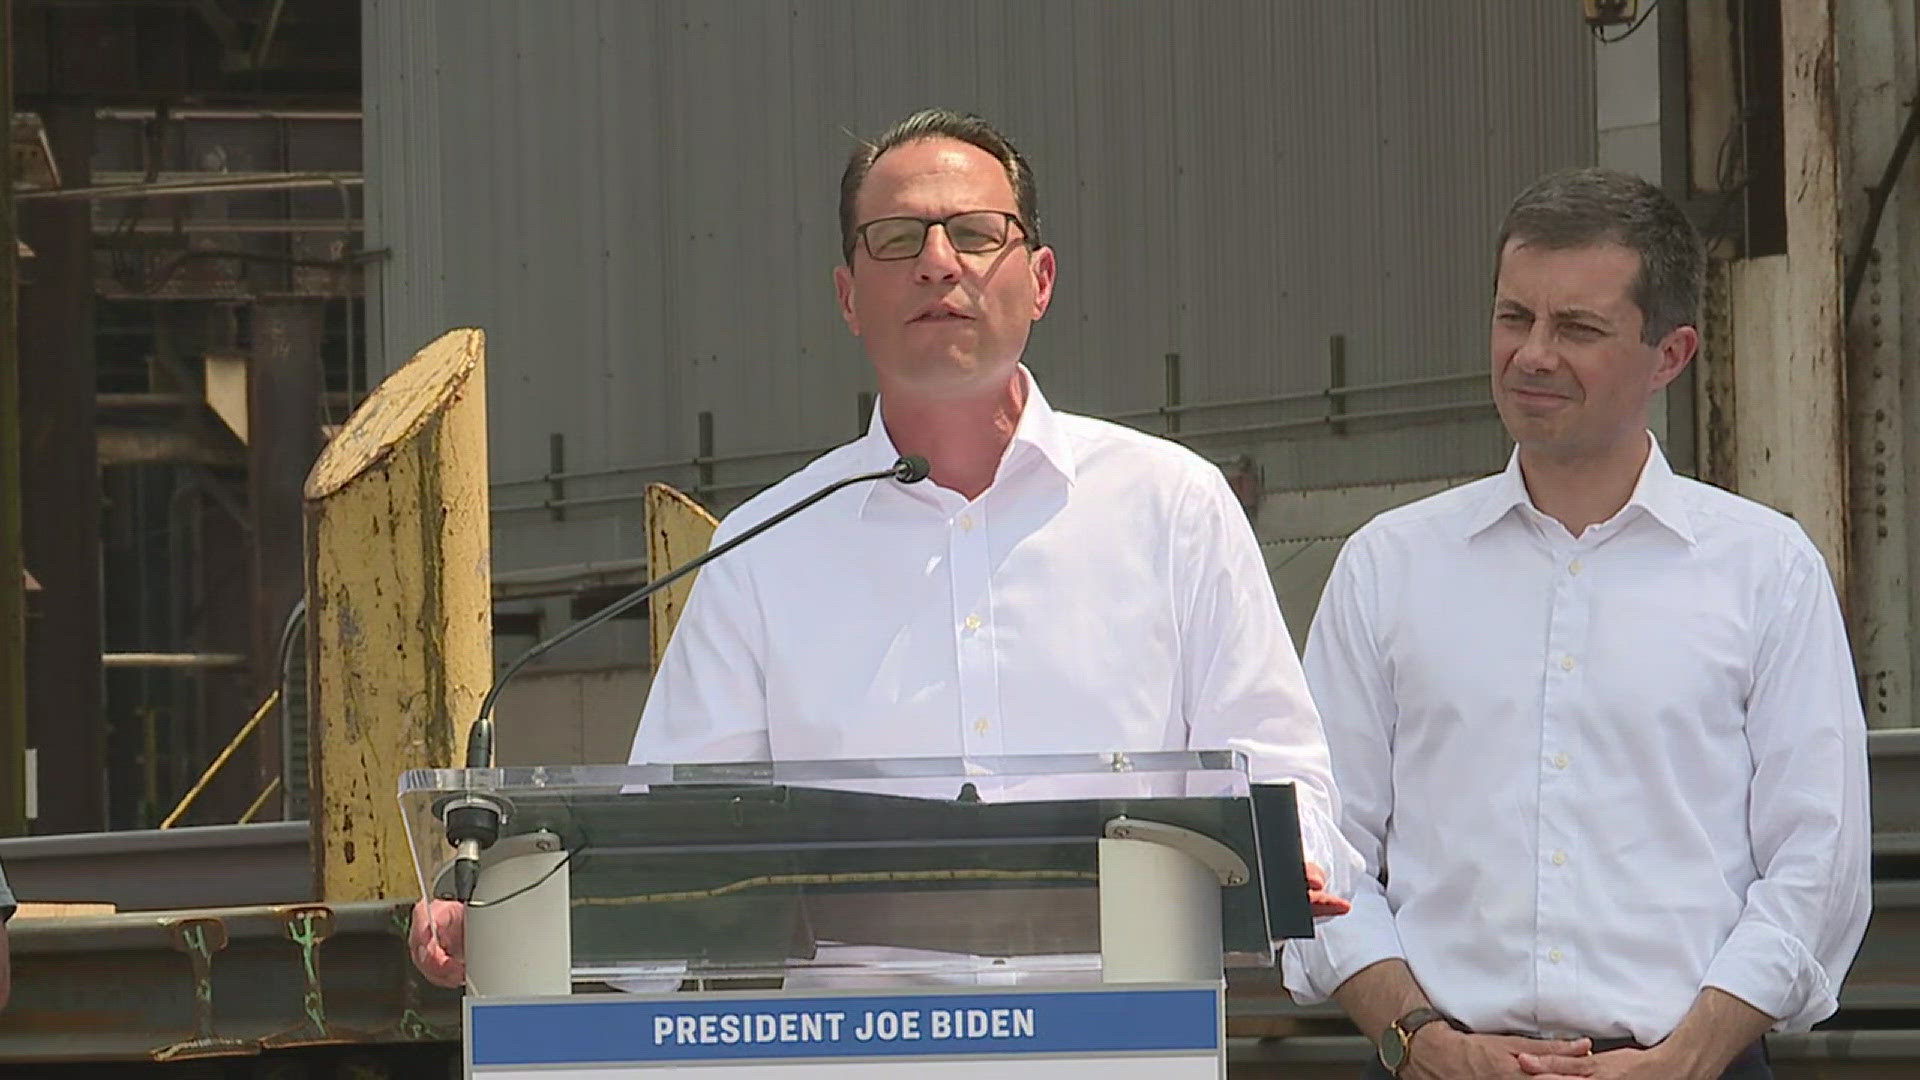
(1600, 34)
(536, 883)
(565, 860)
(1726, 158)
(296, 620)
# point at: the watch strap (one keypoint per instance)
(1413, 1021)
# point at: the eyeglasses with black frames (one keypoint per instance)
(971, 232)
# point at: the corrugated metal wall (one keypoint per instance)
(637, 202)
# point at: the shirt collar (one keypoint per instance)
(1657, 493)
(1040, 428)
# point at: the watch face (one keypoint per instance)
(1393, 1049)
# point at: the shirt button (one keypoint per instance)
(1566, 663)
(1574, 568)
(1560, 761)
(1556, 955)
(966, 522)
(973, 622)
(1559, 858)
(980, 726)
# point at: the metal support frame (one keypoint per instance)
(13, 587)
(1876, 87)
(61, 490)
(284, 408)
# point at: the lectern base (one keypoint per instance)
(522, 947)
(1159, 914)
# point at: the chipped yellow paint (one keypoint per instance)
(400, 628)
(678, 529)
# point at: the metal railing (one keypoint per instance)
(1336, 417)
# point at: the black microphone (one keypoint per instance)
(473, 820)
(911, 469)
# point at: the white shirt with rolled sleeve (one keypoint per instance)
(1105, 593)
(1602, 773)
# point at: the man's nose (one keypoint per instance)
(937, 260)
(1536, 354)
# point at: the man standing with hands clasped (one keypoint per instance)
(1595, 724)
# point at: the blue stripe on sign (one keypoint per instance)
(619, 1029)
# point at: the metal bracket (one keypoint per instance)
(528, 843)
(1226, 864)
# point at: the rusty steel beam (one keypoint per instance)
(152, 869)
(192, 661)
(218, 982)
(190, 444)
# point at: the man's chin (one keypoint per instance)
(951, 374)
(1530, 434)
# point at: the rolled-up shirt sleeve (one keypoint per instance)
(1808, 813)
(1243, 685)
(7, 903)
(1344, 670)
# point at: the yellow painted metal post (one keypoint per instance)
(678, 529)
(399, 622)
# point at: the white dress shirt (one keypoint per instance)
(1105, 593)
(1601, 773)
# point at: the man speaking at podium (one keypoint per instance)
(1061, 585)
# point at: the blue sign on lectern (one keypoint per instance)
(1113, 1033)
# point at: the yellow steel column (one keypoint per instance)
(678, 529)
(399, 620)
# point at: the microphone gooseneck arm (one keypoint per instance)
(477, 826)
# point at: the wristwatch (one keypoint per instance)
(1398, 1038)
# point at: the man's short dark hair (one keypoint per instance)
(946, 124)
(1578, 207)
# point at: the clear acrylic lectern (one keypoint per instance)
(1149, 867)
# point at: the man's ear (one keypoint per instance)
(1041, 265)
(843, 291)
(1676, 351)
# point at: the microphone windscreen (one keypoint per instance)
(911, 469)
